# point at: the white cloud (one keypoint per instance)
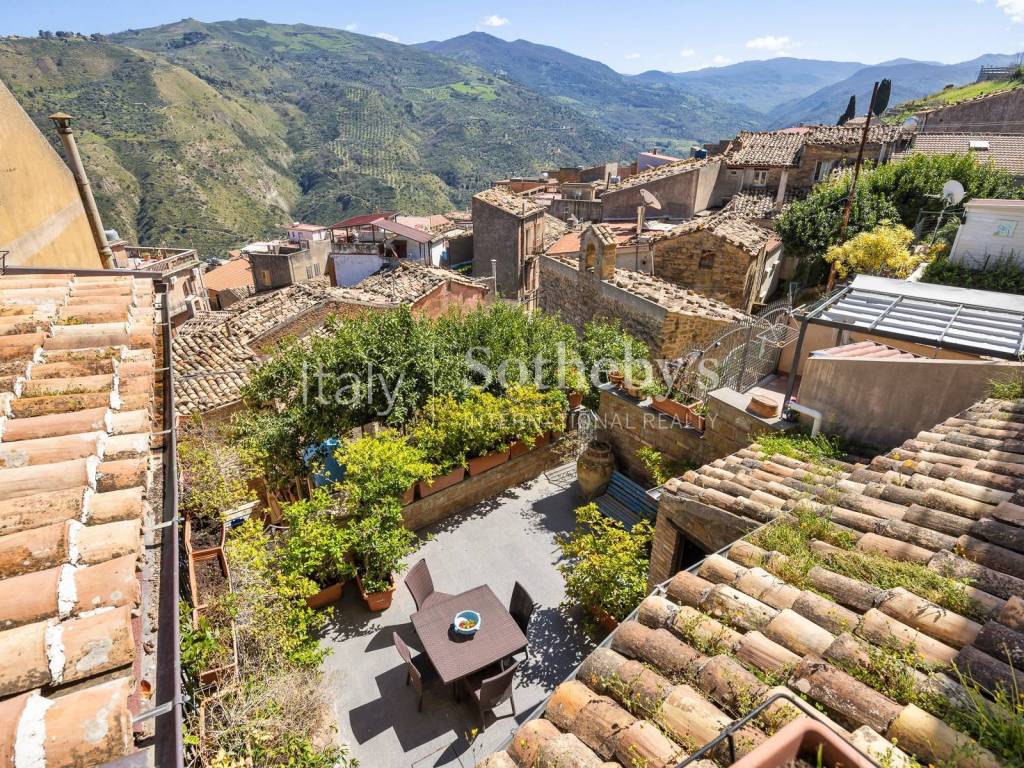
(385, 36)
(770, 43)
(1012, 8)
(687, 53)
(718, 59)
(494, 21)
(632, 56)
(351, 27)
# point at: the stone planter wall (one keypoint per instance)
(480, 487)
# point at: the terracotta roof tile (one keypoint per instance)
(661, 172)
(696, 652)
(1005, 150)
(502, 198)
(405, 282)
(732, 227)
(78, 371)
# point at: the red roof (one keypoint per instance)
(237, 273)
(363, 220)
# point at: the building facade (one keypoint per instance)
(509, 230)
(683, 189)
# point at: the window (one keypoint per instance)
(822, 169)
(265, 277)
(760, 178)
(309, 271)
(707, 261)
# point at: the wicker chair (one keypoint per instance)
(421, 586)
(419, 671)
(521, 608)
(491, 692)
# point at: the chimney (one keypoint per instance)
(67, 138)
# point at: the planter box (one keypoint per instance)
(693, 418)
(427, 487)
(670, 407)
(199, 596)
(326, 596)
(484, 463)
(203, 550)
(518, 448)
(605, 619)
(801, 739)
(409, 496)
(376, 601)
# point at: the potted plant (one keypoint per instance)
(531, 415)
(576, 383)
(381, 544)
(441, 431)
(604, 565)
(381, 467)
(487, 431)
(318, 547)
(695, 413)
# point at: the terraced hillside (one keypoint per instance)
(214, 134)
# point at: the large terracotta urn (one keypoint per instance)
(594, 469)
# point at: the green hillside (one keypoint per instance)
(215, 134)
(953, 95)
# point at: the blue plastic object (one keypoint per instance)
(323, 455)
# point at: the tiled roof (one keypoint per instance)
(773, 148)
(501, 197)
(363, 220)
(782, 148)
(867, 350)
(1005, 150)
(698, 654)
(77, 375)
(752, 204)
(237, 273)
(554, 229)
(405, 282)
(661, 172)
(210, 369)
(732, 227)
(850, 135)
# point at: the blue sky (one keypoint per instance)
(670, 35)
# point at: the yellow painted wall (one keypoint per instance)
(42, 219)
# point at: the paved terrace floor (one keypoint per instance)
(497, 542)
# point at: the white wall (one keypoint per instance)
(353, 268)
(977, 246)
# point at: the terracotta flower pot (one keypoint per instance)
(694, 418)
(670, 407)
(377, 601)
(616, 377)
(409, 496)
(326, 596)
(575, 400)
(630, 389)
(520, 448)
(605, 619)
(801, 739)
(435, 484)
(483, 463)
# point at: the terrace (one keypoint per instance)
(507, 539)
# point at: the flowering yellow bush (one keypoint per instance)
(884, 250)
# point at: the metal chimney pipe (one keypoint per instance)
(92, 213)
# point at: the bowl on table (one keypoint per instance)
(466, 622)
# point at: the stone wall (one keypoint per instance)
(502, 236)
(681, 332)
(724, 275)
(583, 210)
(999, 113)
(801, 179)
(681, 195)
(487, 485)
(450, 295)
(581, 300)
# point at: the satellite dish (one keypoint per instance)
(952, 192)
(650, 200)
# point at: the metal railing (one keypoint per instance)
(162, 259)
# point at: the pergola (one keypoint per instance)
(983, 323)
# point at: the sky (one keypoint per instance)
(671, 35)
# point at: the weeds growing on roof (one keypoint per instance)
(998, 725)
(820, 449)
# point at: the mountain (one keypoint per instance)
(644, 110)
(910, 80)
(217, 134)
(759, 85)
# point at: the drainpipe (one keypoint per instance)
(814, 414)
(67, 138)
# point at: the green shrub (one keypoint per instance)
(317, 544)
(1003, 276)
(605, 566)
(381, 542)
(814, 450)
(381, 467)
(213, 475)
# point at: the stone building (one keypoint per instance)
(1004, 150)
(1001, 112)
(510, 230)
(789, 162)
(278, 264)
(683, 188)
(725, 256)
(670, 319)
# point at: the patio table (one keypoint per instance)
(456, 656)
